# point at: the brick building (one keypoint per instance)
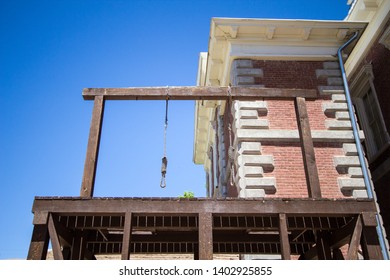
(253, 149)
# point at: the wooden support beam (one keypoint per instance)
(284, 242)
(205, 236)
(39, 243)
(55, 240)
(343, 235)
(91, 159)
(309, 159)
(355, 240)
(109, 206)
(127, 237)
(323, 246)
(370, 242)
(195, 93)
(76, 248)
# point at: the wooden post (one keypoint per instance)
(355, 240)
(309, 160)
(127, 237)
(205, 236)
(55, 240)
(40, 237)
(284, 242)
(76, 248)
(370, 241)
(39, 243)
(322, 245)
(91, 159)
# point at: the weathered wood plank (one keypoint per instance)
(205, 236)
(195, 93)
(323, 246)
(91, 159)
(370, 242)
(55, 240)
(109, 206)
(76, 248)
(284, 242)
(342, 236)
(309, 159)
(39, 243)
(355, 240)
(126, 237)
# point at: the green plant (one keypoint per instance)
(187, 195)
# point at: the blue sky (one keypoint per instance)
(51, 50)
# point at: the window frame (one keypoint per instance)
(363, 85)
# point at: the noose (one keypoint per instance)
(164, 160)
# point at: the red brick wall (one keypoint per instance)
(316, 116)
(327, 173)
(289, 74)
(288, 169)
(288, 161)
(281, 114)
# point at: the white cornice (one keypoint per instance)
(272, 39)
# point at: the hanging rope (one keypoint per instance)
(164, 160)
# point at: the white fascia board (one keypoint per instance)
(279, 51)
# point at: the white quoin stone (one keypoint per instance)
(331, 107)
(253, 123)
(349, 184)
(355, 172)
(251, 160)
(338, 98)
(338, 125)
(346, 161)
(250, 148)
(342, 116)
(350, 149)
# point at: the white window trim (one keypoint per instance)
(363, 82)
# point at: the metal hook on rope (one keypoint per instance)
(164, 160)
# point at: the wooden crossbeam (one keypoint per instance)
(195, 93)
(108, 206)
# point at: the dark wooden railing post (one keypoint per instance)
(205, 236)
(91, 159)
(284, 242)
(127, 237)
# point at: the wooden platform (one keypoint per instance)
(82, 228)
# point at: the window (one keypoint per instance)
(369, 113)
